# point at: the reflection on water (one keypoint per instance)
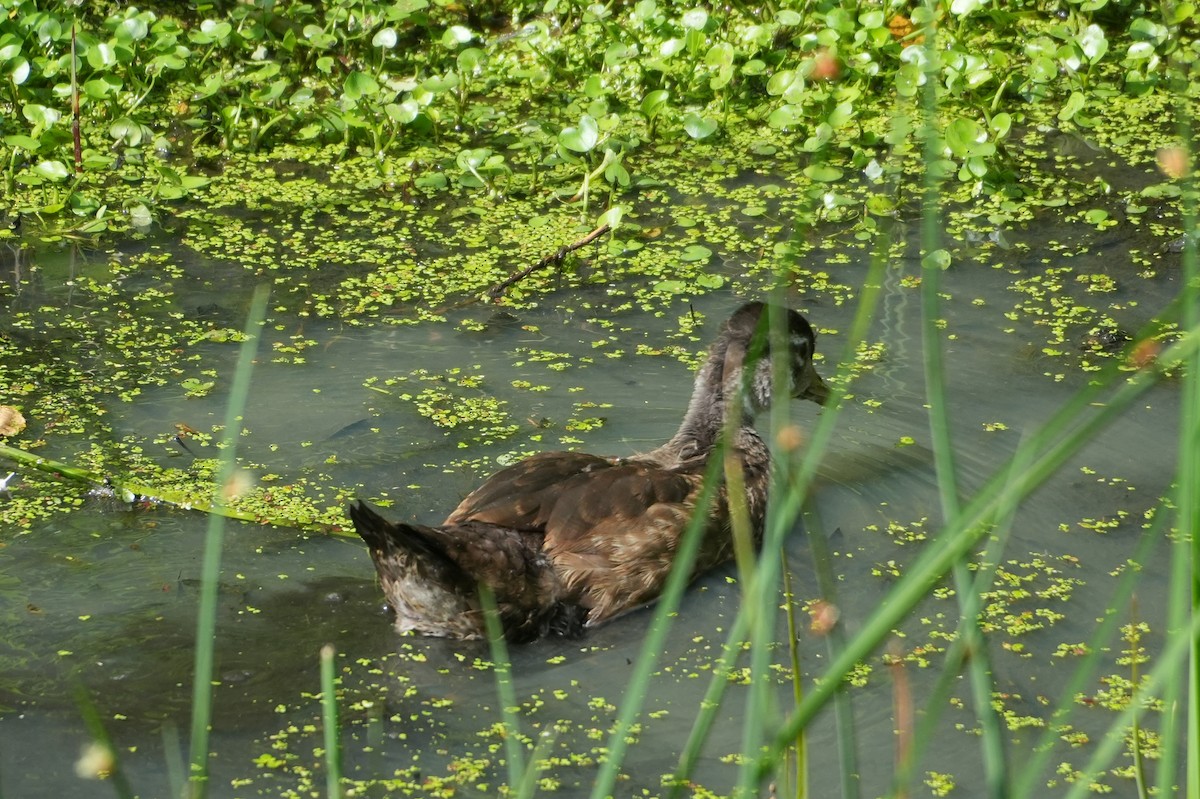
(104, 599)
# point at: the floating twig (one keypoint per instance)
(551, 260)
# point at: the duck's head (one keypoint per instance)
(750, 359)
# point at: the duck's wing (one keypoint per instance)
(523, 495)
(613, 535)
(611, 527)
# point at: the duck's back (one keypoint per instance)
(611, 526)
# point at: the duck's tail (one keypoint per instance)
(431, 578)
(393, 539)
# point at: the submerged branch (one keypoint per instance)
(134, 491)
(550, 260)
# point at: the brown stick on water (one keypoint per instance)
(75, 108)
(550, 260)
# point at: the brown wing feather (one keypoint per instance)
(611, 526)
(518, 496)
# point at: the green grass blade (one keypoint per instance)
(329, 721)
(1058, 439)
(652, 645)
(206, 624)
(515, 759)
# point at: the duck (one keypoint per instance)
(568, 541)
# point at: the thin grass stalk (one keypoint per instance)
(668, 603)
(206, 624)
(1171, 664)
(329, 721)
(760, 595)
(801, 747)
(978, 666)
(100, 737)
(1134, 639)
(1185, 572)
(173, 755)
(835, 642)
(902, 712)
(782, 511)
(798, 475)
(709, 705)
(1025, 784)
(528, 786)
(961, 648)
(514, 759)
(960, 534)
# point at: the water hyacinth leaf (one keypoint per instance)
(1075, 103)
(823, 173)
(654, 102)
(581, 138)
(593, 88)
(40, 116)
(1146, 29)
(670, 47)
(786, 117)
(403, 112)
(698, 127)
(694, 19)
(359, 85)
(101, 56)
(133, 29)
(385, 38)
(616, 173)
(789, 18)
(871, 19)
(709, 281)
(129, 132)
(301, 98)
(938, 259)
(1139, 50)
(17, 70)
(966, 138)
(1093, 42)
(695, 253)
(52, 170)
(102, 87)
(1000, 124)
(469, 60)
(140, 216)
(781, 81)
(617, 52)
(23, 142)
(612, 217)
(456, 35)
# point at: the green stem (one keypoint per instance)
(206, 625)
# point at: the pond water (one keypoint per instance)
(102, 602)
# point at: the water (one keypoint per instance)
(101, 603)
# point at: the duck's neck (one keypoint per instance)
(717, 401)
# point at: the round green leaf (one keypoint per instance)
(581, 138)
(52, 170)
(385, 38)
(698, 127)
(695, 19)
(822, 173)
(358, 85)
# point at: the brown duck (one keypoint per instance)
(566, 540)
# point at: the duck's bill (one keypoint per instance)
(813, 387)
